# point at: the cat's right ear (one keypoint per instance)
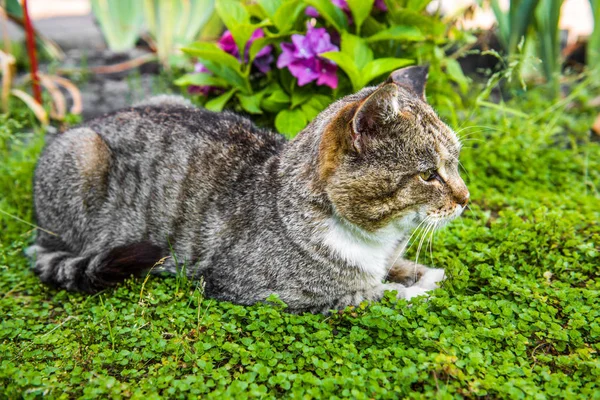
(381, 106)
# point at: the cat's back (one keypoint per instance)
(173, 126)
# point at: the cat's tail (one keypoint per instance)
(91, 273)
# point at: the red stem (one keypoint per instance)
(35, 82)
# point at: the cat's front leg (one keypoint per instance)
(376, 293)
(412, 274)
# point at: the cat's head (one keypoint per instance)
(386, 158)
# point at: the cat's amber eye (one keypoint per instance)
(428, 175)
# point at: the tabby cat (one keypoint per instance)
(321, 220)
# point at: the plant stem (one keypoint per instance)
(37, 93)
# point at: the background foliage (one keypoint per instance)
(518, 317)
(371, 39)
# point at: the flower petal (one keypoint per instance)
(286, 56)
(327, 74)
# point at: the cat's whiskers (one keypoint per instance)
(404, 249)
(431, 240)
(423, 237)
(464, 169)
(426, 232)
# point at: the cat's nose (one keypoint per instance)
(463, 198)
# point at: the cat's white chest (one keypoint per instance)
(370, 254)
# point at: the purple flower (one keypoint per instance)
(263, 58)
(302, 58)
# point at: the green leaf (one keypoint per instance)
(290, 122)
(218, 103)
(331, 13)
(222, 64)
(456, 74)
(276, 101)
(315, 105)
(251, 103)
(381, 66)
(346, 63)
(232, 12)
(400, 33)
(237, 20)
(521, 14)
(200, 79)
(417, 5)
(360, 10)
(301, 95)
(286, 15)
(357, 49)
(212, 52)
(269, 6)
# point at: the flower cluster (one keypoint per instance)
(303, 60)
(262, 61)
(302, 57)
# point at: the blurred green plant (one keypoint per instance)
(536, 22)
(365, 39)
(174, 23)
(120, 21)
(593, 49)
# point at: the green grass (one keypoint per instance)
(519, 317)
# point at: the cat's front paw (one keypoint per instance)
(414, 291)
(431, 278)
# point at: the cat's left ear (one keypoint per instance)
(382, 105)
(413, 78)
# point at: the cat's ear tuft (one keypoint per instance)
(381, 106)
(413, 78)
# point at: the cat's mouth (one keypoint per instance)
(443, 215)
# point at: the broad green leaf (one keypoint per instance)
(219, 102)
(232, 77)
(276, 101)
(360, 10)
(212, 52)
(287, 14)
(331, 13)
(346, 63)
(290, 122)
(301, 95)
(269, 6)
(456, 74)
(241, 35)
(428, 25)
(417, 5)
(382, 66)
(237, 20)
(400, 33)
(220, 63)
(200, 79)
(251, 103)
(314, 106)
(357, 49)
(232, 12)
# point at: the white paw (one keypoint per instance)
(430, 279)
(414, 291)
